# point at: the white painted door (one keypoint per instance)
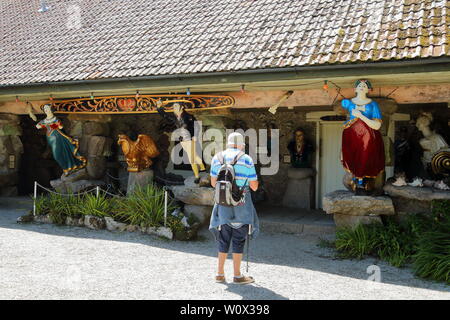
(331, 171)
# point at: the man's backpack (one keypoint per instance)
(227, 193)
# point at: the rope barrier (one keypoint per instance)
(116, 178)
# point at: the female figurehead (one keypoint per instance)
(64, 148)
(362, 143)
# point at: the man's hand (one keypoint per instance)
(254, 185)
(159, 104)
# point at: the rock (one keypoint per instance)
(42, 218)
(25, 219)
(95, 223)
(75, 222)
(96, 167)
(416, 193)
(6, 146)
(345, 202)
(132, 228)
(161, 232)
(188, 233)
(94, 128)
(76, 129)
(194, 195)
(139, 179)
(205, 180)
(412, 200)
(113, 225)
(10, 130)
(17, 144)
(300, 188)
(344, 220)
(75, 187)
(202, 213)
(6, 118)
(96, 146)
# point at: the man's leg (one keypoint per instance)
(223, 242)
(222, 258)
(237, 258)
(238, 239)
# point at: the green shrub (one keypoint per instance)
(56, 208)
(432, 259)
(91, 204)
(145, 208)
(423, 240)
(354, 243)
(41, 203)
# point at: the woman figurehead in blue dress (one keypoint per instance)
(64, 148)
(362, 143)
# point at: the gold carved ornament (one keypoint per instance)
(130, 104)
(139, 153)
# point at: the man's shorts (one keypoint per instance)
(228, 235)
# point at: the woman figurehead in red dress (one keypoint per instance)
(362, 143)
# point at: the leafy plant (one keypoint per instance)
(432, 259)
(422, 239)
(94, 205)
(41, 203)
(56, 208)
(145, 207)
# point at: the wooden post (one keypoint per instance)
(34, 198)
(165, 207)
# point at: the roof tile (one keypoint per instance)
(193, 36)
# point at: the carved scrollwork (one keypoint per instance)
(139, 103)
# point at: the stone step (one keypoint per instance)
(274, 219)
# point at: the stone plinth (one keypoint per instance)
(75, 182)
(300, 188)
(202, 213)
(350, 210)
(139, 179)
(411, 200)
(201, 196)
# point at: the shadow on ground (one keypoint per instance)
(299, 251)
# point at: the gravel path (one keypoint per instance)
(57, 262)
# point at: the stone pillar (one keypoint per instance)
(139, 179)
(11, 149)
(300, 188)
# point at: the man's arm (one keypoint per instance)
(253, 185)
(213, 181)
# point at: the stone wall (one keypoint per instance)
(11, 150)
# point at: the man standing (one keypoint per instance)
(232, 224)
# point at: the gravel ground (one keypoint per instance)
(58, 262)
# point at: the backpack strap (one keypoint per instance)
(220, 157)
(237, 157)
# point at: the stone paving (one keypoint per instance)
(40, 261)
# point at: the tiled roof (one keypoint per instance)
(124, 38)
